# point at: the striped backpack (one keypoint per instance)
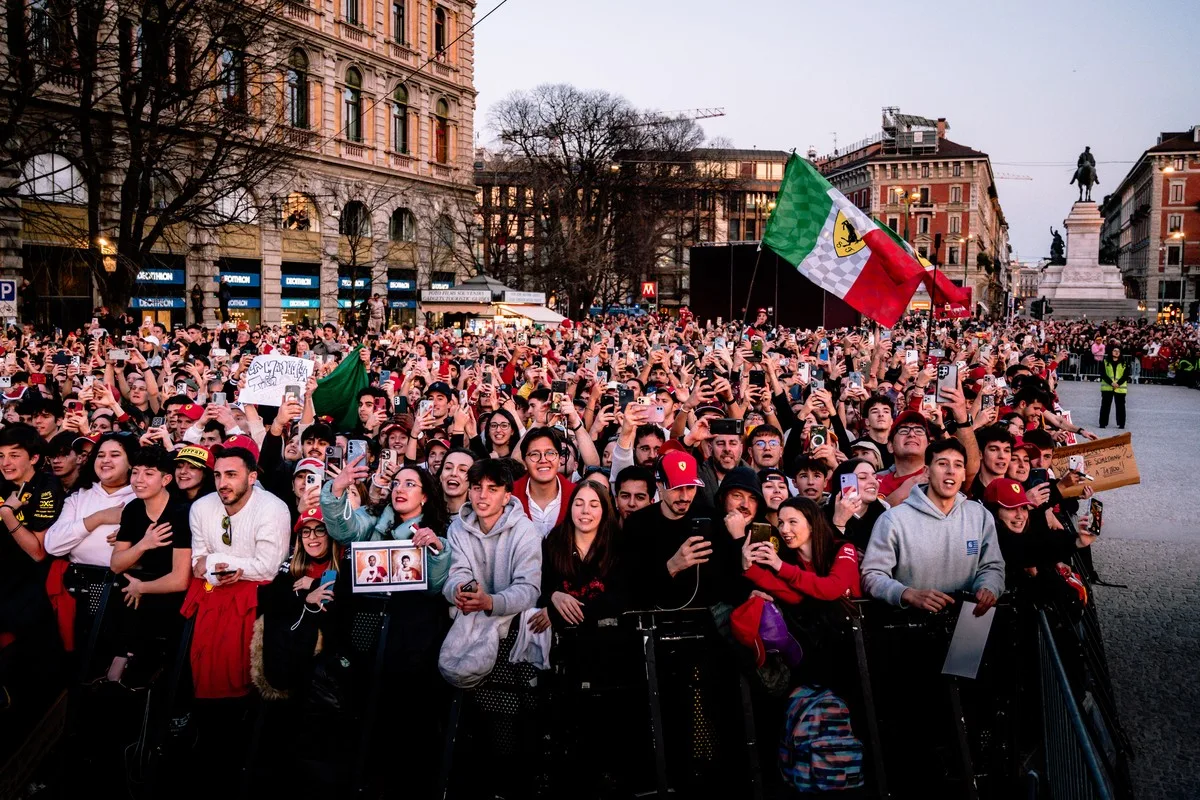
(819, 752)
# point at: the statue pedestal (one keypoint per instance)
(1083, 285)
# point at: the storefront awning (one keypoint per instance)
(539, 314)
(478, 309)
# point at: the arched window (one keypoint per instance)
(297, 90)
(403, 227)
(445, 232)
(300, 213)
(356, 220)
(439, 30)
(400, 120)
(399, 20)
(353, 103)
(52, 178)
(441, 132)
(236, 207)
(233, 69)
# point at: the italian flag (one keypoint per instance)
(839, 248)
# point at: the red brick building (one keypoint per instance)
(936, 193)
(1152, 222)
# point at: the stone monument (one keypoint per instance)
(1082, 285)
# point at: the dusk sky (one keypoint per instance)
(1029, 83)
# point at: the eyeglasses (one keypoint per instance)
(227, 528)
(314, 532)
(909, 430)
(409, 484)
(499, 426)
(767, 444)
(549, 455)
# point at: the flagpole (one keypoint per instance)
(757, 258)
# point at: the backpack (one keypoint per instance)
(819, 752)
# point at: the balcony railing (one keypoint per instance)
(297, 10)
(441, 171)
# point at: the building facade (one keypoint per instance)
(379, 97)
(1152, 222)
(939, 195)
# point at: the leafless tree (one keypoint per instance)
(613, 187)
(175, 117)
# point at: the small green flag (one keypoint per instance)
(336, 394)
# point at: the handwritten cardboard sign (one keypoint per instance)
(1110, 461)
(269, 375)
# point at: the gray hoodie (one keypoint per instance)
(916, 546)
(507, 561)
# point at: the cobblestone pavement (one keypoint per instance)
(1151, 543)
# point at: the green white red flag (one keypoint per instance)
(842, 250)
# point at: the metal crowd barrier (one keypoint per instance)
(1073, 765)
(1083, 366)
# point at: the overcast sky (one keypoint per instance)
(1023, 81)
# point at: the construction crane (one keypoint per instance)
(1008, 176)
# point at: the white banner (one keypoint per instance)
(269, 375)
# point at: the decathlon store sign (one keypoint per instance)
(160, 276)
(300, 281)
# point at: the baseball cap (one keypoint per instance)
(309, 465)
(244, 441)
(908, 418)
(197, 456)
(865, 444)
(672, 446)
(679, 469)
(311, 515)
(1006, 493)
(192, 411)
(152, 340)
(440, 387)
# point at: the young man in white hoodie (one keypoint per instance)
(935, 542)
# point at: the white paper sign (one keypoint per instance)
(269, 375)
(967, 643)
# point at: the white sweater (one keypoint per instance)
(260, 532)
(69, 535)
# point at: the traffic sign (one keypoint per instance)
(8, 299)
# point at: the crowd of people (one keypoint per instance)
(546, 480)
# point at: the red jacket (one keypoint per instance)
(520, 491)
(220, 653)
(793, 583)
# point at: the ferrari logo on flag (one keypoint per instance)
(846, 241)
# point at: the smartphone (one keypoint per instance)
(624, 397)
(1077, 464)
(471, 586)
(885, 334)
(762, 532)
(329, 576)
(823, 350)
(74, 406)
(1037, 476)
(805, 372)
(354, 449)
(818, 383)
(856, 380)
(6, 382)
(937, 352)
(222, 573)
(120, 356)
(37, 378)
(819, 437)
(311, 479)
(658, 414)
(333, 457)
(726, 427)
(381, 403)
(1097, 514)
(387, 456)
(219, 352)
(719, 342)
(929, 401)
(61, 359)
(702, 526)
(756, 350)
(758, 378)
(219, 399)
(400, 404)
(849, 483)
(75, 362)
(601, 376)
(988, 401)
(425, 407)
(556, 402)
(947, 378)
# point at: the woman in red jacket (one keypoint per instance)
(811, 562)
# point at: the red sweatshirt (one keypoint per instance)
(795, 582)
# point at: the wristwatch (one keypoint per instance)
(952, 425)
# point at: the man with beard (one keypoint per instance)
(453, 477)
(683, 558)
(740, 502)
(726, 451)
(240, 537)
